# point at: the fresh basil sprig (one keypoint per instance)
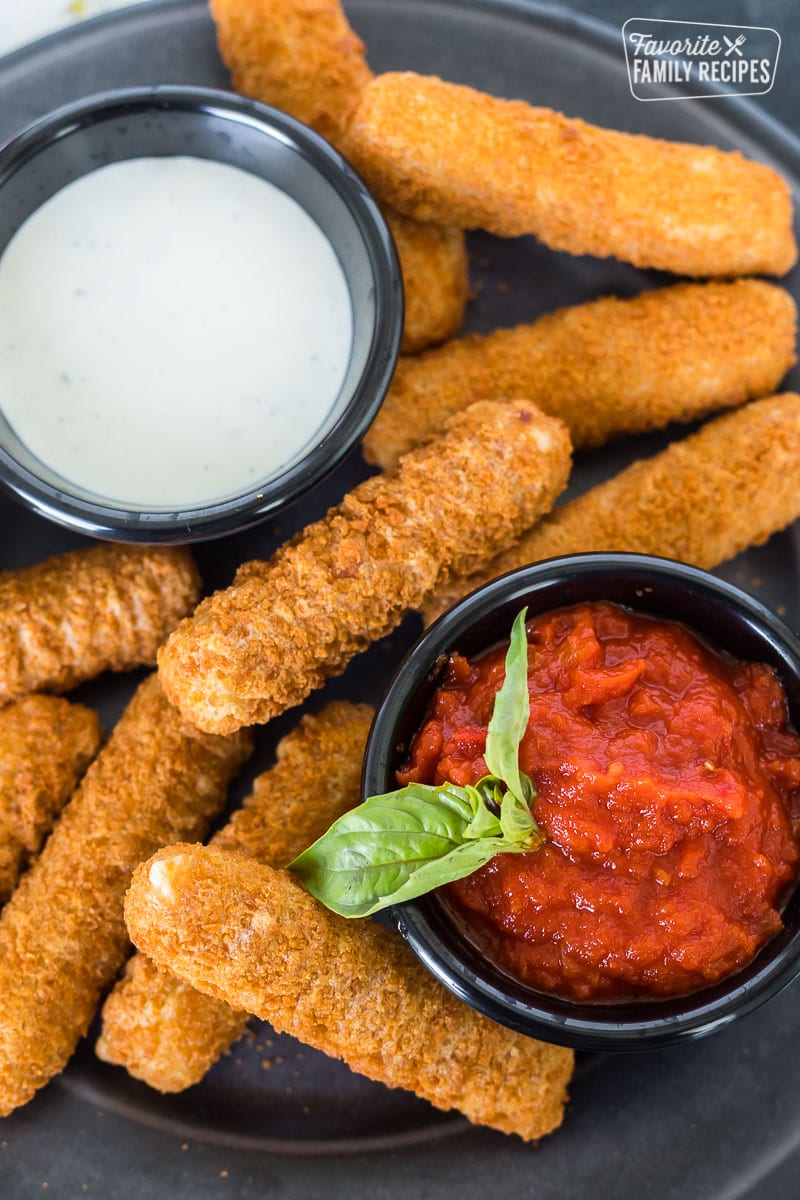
(400, 845)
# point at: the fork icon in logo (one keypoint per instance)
(740, 41)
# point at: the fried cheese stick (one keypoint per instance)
(106, 608)
(441, 152)
(607, 368)
(160, 1028)
(62, 933)
(701, 501)
(298, 55)
(285, 626)
(302, 56)
(433, 262)
(255, 938)
(46, 744)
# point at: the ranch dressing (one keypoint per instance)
(173, 331)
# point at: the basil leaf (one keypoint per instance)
(373, 850)
(511, 713)
(484, 823)
(397, 846)
(516, 822)
(464, 860)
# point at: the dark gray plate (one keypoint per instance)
(720, 1119)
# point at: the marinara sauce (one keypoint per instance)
(668, 787)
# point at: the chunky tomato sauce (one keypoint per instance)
(668, 786)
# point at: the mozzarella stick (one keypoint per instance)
(701, 501)
(62, 933)
(607, 368)
(252, 936)
(46, 744)
(298, 55)
(441, 152)
(160, 1028)
(302, 56)
(107, 608)
(433, 262)
(285, 626)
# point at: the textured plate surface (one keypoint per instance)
(717, 1120)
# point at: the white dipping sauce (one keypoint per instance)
(172, 331)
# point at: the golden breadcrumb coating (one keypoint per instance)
(433, 262)
(160, 1028)
(283, 627)
(700, 501)
(606, 368)
(316, 778)
(302, 56)
(255, 938)
(62, 933)
(298, 55)
(106, 608)
(442, 152)
(46, 744)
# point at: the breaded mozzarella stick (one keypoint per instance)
(255, 938)
(160, 1028)
(441, 152)
(700, 501)
(302, 56)
(62, 933)
(298, 55)
(285, 626)
(607, 368)
(433, 262)
(106, 608)
(46, 744)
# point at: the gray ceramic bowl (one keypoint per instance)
(719, 612)
(204, 123)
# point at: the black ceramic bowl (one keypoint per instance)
(720, 613)
(203, 123)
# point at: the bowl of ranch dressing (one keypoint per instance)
(200, 312)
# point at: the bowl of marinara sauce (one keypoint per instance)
(663, 746)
